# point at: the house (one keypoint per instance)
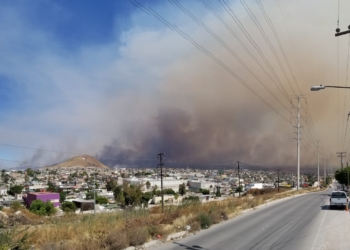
(3, 190)
(53, 197)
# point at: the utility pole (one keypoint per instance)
(239, 180)
(324, 170)
(161, 164)
(347, 170)
(94, 190)
(278, 181)
(298, 140)
(341, 155)
(318, 164)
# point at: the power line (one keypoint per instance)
(220, 18)
(254, 44)
(208, 30)
(36, 149)
(215, 59)
(270, 23)
(268, 42)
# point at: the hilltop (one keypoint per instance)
(81, 161)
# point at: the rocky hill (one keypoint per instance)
(81, 161)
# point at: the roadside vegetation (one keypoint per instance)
(130, 227)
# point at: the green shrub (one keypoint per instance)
(204, 220)
(68, 207)
(101, 200)
(42, 208)
(15, 206)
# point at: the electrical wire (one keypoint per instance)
(253, 43)
(208, 30)
(268, 42)
(220, 18)
(270, 23)
(209, 54)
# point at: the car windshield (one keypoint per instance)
(338, 195)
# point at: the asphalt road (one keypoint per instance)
(302, 222)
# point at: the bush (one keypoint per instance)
(15, 206)
(155, 230)
(194, 224)
(68, 207)
(204, 220)
(137, 236)
(101, 200)
(42, 208)
(215, 216)
(117, 240)
(205, 191)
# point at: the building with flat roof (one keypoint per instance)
(44, 196)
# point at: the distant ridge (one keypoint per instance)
(81, 161)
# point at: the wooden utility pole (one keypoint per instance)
(239, 180)
(161, 164)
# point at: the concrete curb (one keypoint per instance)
(177, 235)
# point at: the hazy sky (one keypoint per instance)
(213, 87)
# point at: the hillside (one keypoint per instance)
(81, 161)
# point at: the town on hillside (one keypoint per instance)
(92, 189)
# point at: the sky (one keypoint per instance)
(208, 83)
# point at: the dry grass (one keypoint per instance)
(121, 229)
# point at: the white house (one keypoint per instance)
(195, 185)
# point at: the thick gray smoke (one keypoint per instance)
(204, 116)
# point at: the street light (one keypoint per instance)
(317, 88)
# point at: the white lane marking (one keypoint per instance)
(318, 231)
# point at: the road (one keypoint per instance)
(302, 222)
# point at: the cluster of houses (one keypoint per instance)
(76, 182)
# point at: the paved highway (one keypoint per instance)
(302, 222)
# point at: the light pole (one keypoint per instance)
(317, 88)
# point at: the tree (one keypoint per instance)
(129, 195)
(145, 198)
(90, 195)
(182, 189)
(62, 197)
(341, 175)
(154, 189)
(51, 187)
(148, 184)
(110, 185)
(101, 200)
(30, 172)
(119, 195)
(42, 208)
(218, 193)
(328, 180)
(17, 189)
(132, 195)
(6, 178)
(169, 191)
(205, 191)
(68, 207)
(239, 189)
